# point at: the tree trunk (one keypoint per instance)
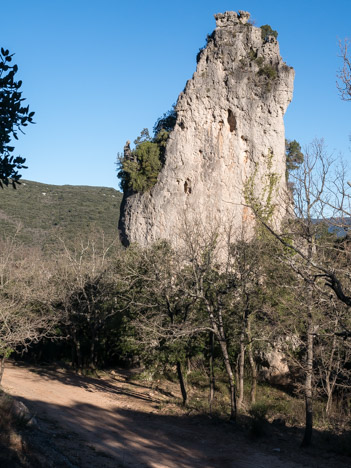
(212, 376)
(181, 383)
(94, 347)
(218, 329)
(76, 342)
(228, 368)
(329, 381)
(308, 386)
(241, 369)
(252, 364)
(2, 367)
(329, 403)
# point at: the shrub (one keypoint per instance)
(268, 71)
(140, 173)
(267, 31)
(138, 169)
(258, 413)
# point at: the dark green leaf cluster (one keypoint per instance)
(13, 117)
(166, 122)
(267, 32)
(294, 155)
(138, 169)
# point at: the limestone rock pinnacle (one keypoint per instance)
(229, 131)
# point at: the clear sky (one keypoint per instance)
(96, 72)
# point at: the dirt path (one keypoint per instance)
(111, 422)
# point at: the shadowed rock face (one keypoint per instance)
(229, 131)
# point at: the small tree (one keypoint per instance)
(159, 310)
(294, 155)
(13, 117)
(267, 32)
(138, 169)
(142, 171)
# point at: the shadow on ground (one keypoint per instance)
(139, 435)
(91, 436)
(93, 384)
(135, 438)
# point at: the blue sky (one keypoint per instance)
(96, 72)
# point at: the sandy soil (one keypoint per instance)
(112, 422)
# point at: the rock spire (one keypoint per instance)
(229, 134)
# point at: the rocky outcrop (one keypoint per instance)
(228, 135)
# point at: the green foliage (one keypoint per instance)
(294, 155)
(263, 206)
(161, 140)
(166, 122)
(259, 410)
(143, 137)
(268, 71)
(13, 117)
(267, 32)
(138, 169)
(140, 173)
(258, 413)
(259, 61)
(252, 54)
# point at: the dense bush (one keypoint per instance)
(141, 171)
(138, 169)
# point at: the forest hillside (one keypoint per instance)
(39, 212)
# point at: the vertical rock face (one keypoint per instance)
(229, 133)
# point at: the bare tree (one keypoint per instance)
(309, 248)
(26, 294)
(333, 353)
(344, 75)
(86, 283)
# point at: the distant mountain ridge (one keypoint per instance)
(43, 209)
(339, 226)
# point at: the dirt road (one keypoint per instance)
(111, 422)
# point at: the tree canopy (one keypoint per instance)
(13, 117)
(294, 155)
(138, 169)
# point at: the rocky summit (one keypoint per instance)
(228, 142)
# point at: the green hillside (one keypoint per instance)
(45, 210)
